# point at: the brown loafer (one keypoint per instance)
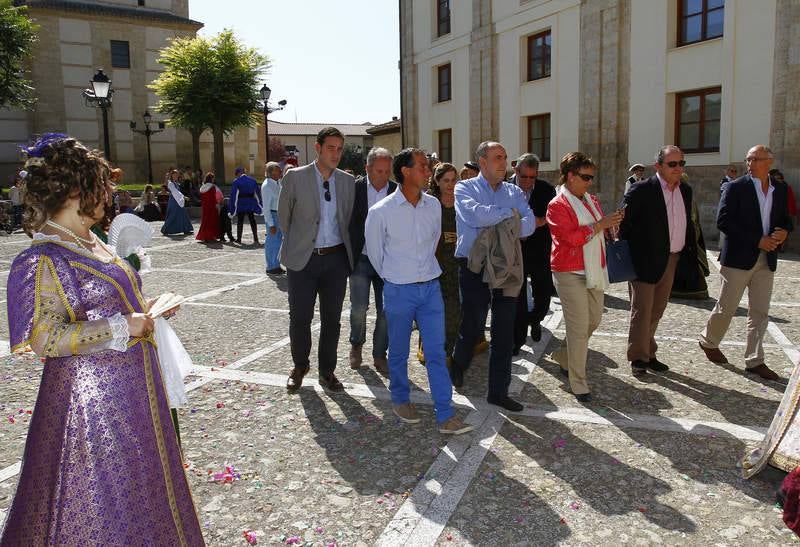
(714, 355)
(331, 383)
(355, 356)
(764, 371)
(381, 365)
(295, 380)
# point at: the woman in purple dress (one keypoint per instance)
(101, 464)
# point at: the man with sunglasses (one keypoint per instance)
(535, 252)
(754, 217)
(314, 210)
(658, 230)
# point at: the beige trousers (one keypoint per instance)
(758, 282)
(648, 302)
(583, 310)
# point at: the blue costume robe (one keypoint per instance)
(245, 196)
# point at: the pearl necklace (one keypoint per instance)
(83, 242)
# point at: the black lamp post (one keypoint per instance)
(265, 93)
(99, 95)
(147, 132)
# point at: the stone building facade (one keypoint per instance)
(75, 38)
(620, 79)
(387, 135)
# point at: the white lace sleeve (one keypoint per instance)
(119, 333)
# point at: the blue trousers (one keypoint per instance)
(362, 277)
(403, 304)
(272, 244)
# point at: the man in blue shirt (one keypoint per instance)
(483, 202)
(270, 192)
(402, 233)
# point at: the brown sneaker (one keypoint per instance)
(714, 355)
(381, 365)
(455, 426)
(355, 356)
(407, 412)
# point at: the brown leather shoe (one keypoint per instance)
(295, 380)
(355, 356)
(764, 371)
(714, 355)
(331, 383)
(381, 365)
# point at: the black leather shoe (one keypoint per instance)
(515, 351)
(656, 365)
(536, 332)
(331, 383)
(506, 402)
(564, 372)
(295, 380)
(456, 374)
(584, 397)
(639, 368)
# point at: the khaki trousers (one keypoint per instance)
(583, 310)
(648, 302)
(758, 282)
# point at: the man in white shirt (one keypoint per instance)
(16, 198)
(369, 191)
(402, 233)
(270, 192)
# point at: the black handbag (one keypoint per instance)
(618, 261)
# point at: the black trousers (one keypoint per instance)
(240, 223)
(325, 276)
(542, 288)
(475, 301)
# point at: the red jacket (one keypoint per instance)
(568, 237)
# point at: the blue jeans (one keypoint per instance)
(421, 302)
(272, 244)
(363, 275)
(475, 301)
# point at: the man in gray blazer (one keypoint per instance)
(314, 211)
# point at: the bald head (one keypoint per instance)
(493, 161)
(759, 162)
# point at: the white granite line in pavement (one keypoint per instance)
(208, 272)
(226, 288)
(8, 472)
(191, 241)
(667, 338)
(786, 345)
(5, 347)
(235, 307)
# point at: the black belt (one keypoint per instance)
(322, 251)
(247, 195)
(273, 210)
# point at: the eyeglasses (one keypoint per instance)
(751, 160)
(525, 177)
(327, 186)
(586, 178)
(674, 164)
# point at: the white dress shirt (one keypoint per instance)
(764, 203)
(328, 234)
(401, 239)
(270, 192)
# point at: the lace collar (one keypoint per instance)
(39, 237)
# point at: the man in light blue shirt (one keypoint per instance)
(402, 233)
(483, 202)
(270, 192)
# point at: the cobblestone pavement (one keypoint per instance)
(647, 462)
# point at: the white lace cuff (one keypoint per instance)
(119, 333)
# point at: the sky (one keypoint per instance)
(334, 61)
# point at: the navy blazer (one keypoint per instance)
(646, 228)
(739, 218)
(359, 218)
(536, 248)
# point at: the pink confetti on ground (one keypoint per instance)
(250, 537)
(574, 505)
(293, 540)
(559, 443)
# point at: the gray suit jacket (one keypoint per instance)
(298, 214)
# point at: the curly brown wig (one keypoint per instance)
(63, 168)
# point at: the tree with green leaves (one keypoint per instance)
(17, 38)
(210, 83)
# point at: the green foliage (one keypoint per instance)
(210, 82)
(17, 38)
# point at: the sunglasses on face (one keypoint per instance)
(327, 187)
(585, 178)
(674, 164)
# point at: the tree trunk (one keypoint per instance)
(196, 131)
(219, 153)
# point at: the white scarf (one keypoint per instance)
(595, 248)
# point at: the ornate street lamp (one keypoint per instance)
(147, 132)
(99, 95)
(265, 93)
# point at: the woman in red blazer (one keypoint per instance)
(578, 263)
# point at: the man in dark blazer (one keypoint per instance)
(754, 217)
(314, 211)
(535, 252)
(369, 191)
(658, 229)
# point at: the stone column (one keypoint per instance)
(605, 90)
(409, 94)
(484, 107)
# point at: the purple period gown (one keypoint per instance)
(101, 464)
